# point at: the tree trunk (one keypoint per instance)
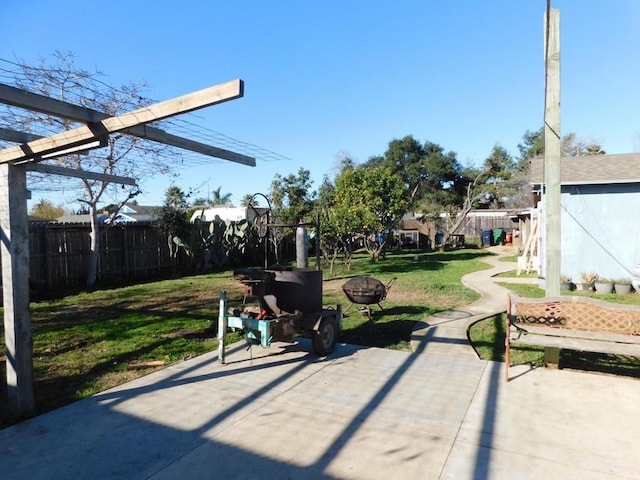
(462, 215)
(94, 247)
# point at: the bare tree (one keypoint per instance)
(124, 155)
(455, 216)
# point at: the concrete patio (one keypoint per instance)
(362, 413)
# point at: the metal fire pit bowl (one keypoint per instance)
(366, 291)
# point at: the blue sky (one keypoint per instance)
(323, 78)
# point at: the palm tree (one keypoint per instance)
(175, 197)
(249, 200)
(218, 198)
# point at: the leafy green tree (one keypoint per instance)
(428, 172)
(336, 234)
(495, 179)
(173, 222)
(532, 144)
(371, 201)
(406, 158)
(292, 197)
(291, 200)
(46, 209)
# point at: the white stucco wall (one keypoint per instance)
(227, 212)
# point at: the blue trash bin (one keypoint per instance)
(487, 238)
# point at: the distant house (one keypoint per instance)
(136, 213)
(227, 212)
(600, 208)
(416, 233)
(126, 214)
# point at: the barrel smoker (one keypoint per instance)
(280, 304)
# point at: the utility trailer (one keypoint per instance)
(279, 304)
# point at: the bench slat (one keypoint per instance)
(580, 344)
(580, 334)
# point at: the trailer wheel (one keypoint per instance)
(325, 338)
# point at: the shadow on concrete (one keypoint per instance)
(71, 445)
(126, 446)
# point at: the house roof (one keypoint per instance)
(137, 213)
(127, 214)
(592, 169)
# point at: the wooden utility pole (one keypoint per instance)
(552, 141)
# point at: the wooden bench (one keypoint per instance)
(574, 323)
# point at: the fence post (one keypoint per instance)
(222, 325)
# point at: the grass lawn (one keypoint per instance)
(89, 342)
(533, 291)
(422, 287)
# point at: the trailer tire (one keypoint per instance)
(325, 338)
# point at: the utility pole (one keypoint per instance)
(552, 141)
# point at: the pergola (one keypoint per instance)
(15, 161)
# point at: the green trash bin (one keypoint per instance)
(498, 236)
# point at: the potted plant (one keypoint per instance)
(622, 285)
(604, 285)
(566, 282)
(587, 280)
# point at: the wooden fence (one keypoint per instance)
(474, 225)
(59, 254)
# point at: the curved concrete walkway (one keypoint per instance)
(362, 413)
(493, 300)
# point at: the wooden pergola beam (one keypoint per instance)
(74, 172)
(17, 137)
(35, 102)
(21, 137)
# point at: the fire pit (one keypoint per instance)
(366, 291)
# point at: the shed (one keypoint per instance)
(600, 208)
